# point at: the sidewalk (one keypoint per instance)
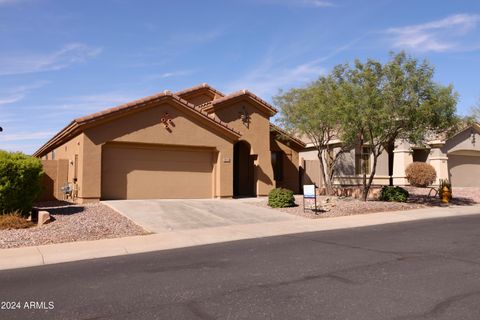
(73, 251)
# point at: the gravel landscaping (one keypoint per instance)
(72, 223)
(340, 206)
(331, 206)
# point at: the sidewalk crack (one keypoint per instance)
(41, 255)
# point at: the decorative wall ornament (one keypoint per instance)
(167, 121)
(245, 117)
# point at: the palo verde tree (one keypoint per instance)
(314, 112)
(385, 102)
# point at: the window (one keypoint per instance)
(277, 164)
(362, 160)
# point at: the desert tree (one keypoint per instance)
(313, 112)
(385, 102)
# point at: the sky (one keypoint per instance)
(60, 60)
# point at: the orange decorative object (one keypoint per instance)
(446, 194)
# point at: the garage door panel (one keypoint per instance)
(464, 171)
(131, 172)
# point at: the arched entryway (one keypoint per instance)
(243, 170)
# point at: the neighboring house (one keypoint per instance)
(456, 159)
(195, 143)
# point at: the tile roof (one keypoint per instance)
(200, 87)
(245, 93)
(299, 142)
(77, 125)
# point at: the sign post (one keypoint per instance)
(309, 193)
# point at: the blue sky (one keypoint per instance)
(63, 59)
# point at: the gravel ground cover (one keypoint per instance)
(461, 196)
(72, 223)
(331, 206)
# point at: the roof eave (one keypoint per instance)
(240, 95)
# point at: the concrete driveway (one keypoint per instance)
(173, 215)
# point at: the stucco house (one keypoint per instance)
(195, 143)
(456, 159)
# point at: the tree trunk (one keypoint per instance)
(326, 181)
(367, 186)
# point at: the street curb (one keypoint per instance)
(83, 250)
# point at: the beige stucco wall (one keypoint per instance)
(463, 152)
(345, 174)
(54, 177)
(308, 154)
(145, 127)
(67, 151)
(382, 164)
(463, 141)
(199, 98)
(257, 135)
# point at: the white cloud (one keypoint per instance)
(15, 94)
(318, 3)
(30, 63)
(440, 35)
(272, 74)
(7, 2)
(77, 106)
(302, 3)
(20, 136)
(11, 99)
(171, 74)
(267, 79)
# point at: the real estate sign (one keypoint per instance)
(309, 194)
(309, 191)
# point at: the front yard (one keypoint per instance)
(332, 206)
(72, 223)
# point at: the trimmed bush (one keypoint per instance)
(20, 182)
(393, 194)
(281, 198)
(420, 174)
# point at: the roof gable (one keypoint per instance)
(200, 94)
(78, 125)
(263, 106)
(282, 135)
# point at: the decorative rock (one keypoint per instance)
(43, 217)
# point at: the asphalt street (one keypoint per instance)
(421, 270)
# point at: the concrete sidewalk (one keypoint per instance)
(73, 251)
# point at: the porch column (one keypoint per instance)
(402, 157)
(439, 160)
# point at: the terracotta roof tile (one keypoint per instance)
(197, 88)
(283, 132)
(78, 123)
(245, 93)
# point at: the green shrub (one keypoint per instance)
(20, 182)
(393, 194)
(281, 198)
(420, 174)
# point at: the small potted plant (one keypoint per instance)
(445, 190)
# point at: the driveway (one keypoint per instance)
(173, 215)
